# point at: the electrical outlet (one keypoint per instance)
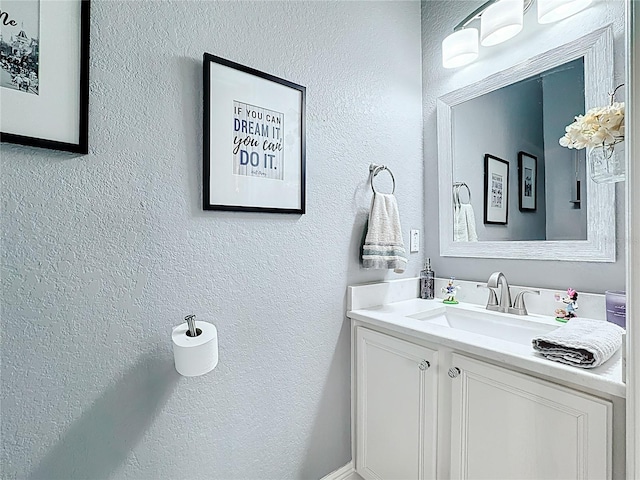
(415, 241)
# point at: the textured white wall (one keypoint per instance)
(438, 19)
(103, 254)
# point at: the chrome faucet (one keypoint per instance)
(497, 279)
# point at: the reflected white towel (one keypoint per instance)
(582, 342)
(383, 245)
(464, 223)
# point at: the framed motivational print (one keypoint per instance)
(254, 140)
(496, 190)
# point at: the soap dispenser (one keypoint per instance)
(427, 281)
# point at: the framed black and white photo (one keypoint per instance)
(496, 190)
(254, 140)
(44, 73)
(528, 181)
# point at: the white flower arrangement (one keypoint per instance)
(599, 127)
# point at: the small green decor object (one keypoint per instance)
(571, 301)
(450, 292)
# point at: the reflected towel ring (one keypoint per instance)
(456, 193)
(375, 170)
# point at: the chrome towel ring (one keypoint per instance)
(456, 192)
(375, 170)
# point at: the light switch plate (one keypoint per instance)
(415, 241)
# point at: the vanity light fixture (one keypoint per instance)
(500, 20)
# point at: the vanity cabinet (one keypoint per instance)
(396, 408)
(509, 425)
(426, 413)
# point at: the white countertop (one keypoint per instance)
(606, 378)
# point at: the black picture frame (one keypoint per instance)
(527, 182)
(496, 190)
(82, 144)
(275, 183)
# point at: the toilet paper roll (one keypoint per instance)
(195, 355)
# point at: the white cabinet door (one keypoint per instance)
(396, 408)
(505, 425)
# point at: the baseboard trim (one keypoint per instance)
(343, 473)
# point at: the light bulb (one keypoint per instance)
(501, 21)
(460, 48)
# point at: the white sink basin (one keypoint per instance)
(510, 328)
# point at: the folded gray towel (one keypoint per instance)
(582, 342)
(383, 245)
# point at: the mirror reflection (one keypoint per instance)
(519, 183)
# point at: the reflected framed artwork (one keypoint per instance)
(254, 140)
(496, 190)
(527, 181)
(44, 74)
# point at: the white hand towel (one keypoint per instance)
(460, 233)
(582, 342)
(464, 223)
(470, 221)
(383, 245)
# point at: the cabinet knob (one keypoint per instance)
(454, 372)
(423, 365)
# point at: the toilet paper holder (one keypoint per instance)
(195, 347)
(191, 323)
